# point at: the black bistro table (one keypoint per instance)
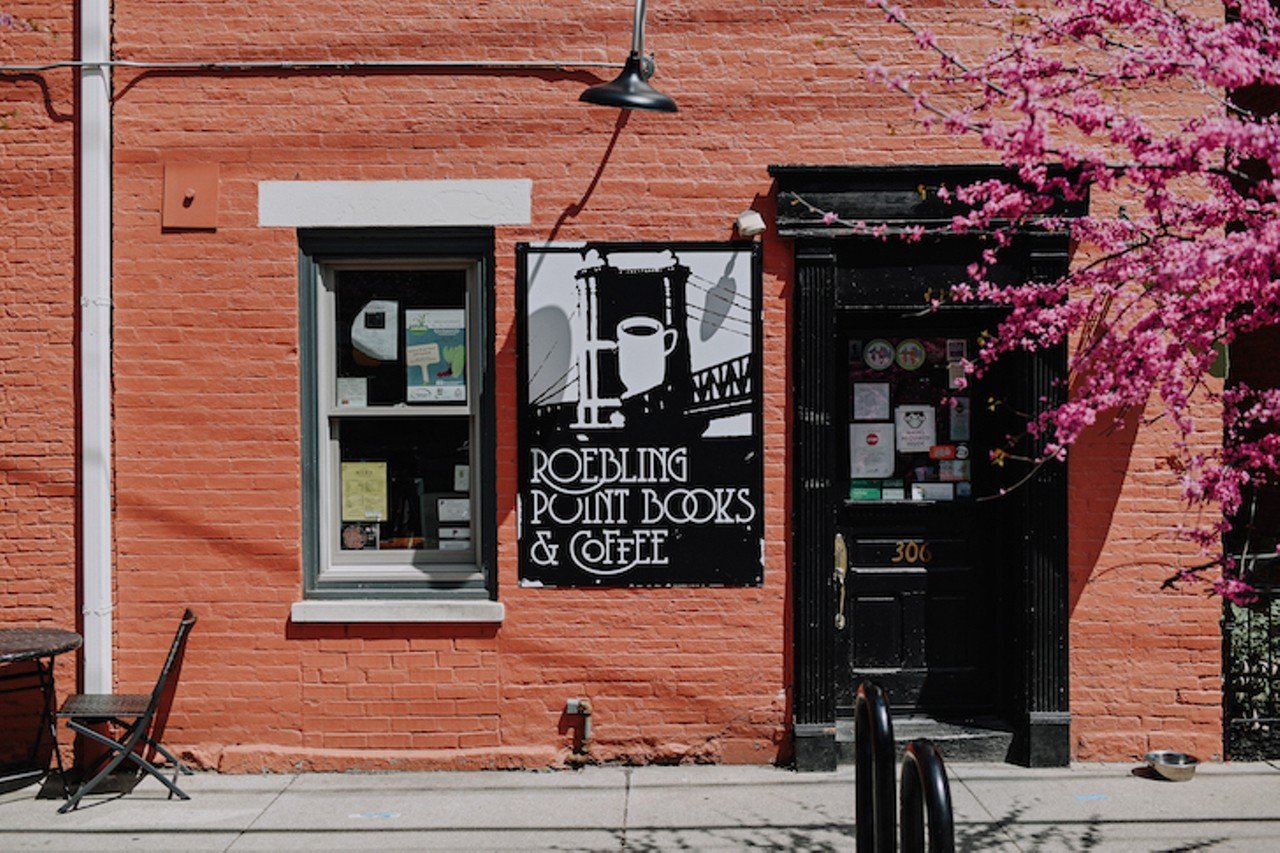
(40, 646)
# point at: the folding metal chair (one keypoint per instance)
(132, 712)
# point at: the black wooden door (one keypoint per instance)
(920, 518)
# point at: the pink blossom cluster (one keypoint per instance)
(1150, 108)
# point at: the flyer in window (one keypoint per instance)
(353, 392)
(871, 401)
(435, 354)
(364, 491)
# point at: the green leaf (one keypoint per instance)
(1221, 361)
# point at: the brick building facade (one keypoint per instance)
(209, 366)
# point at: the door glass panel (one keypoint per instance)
(910, 419)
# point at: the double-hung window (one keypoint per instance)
(398, 415)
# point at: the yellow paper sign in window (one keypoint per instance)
(364, 491)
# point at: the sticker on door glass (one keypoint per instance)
(910, 354)
(916, 428)
(960, 419)
(893, 490)
(878, 354)
(932, 491)
(864, 490)
(871, 450)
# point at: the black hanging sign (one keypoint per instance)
(639, 415)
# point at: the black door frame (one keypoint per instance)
(901, 196)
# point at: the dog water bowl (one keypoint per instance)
(1174, 766)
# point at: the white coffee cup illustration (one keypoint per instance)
(643, 347)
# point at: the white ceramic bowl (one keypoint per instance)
(1174, 766)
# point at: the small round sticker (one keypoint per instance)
(910, 354)
(878, 354)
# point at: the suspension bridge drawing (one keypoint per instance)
(618, 338)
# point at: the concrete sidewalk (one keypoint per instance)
(997, 807)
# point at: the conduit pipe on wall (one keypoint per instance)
(95, 342)
(312, 65)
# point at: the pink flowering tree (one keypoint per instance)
(1160, 111)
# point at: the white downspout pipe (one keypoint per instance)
(95, 343)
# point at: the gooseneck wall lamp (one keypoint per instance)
(630, 90)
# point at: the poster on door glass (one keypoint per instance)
(435, 354)
(638, 370)
(871, 450)
(916, 428)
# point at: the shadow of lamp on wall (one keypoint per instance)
(630, 90)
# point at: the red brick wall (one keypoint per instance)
(1146, 669)
(37, 358)
(206, 376)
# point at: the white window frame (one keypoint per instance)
(408, 566)
(411, 586)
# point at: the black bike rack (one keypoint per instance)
(924, 787)
(873, 770)
(924, 783)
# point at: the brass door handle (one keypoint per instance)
(841, 572)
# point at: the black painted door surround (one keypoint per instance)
(959, 604)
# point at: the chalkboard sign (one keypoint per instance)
(639, 415)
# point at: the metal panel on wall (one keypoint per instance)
(641, 456)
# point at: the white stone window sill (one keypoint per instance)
(398, 611)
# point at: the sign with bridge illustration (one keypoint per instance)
(639, 414)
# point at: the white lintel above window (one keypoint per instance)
(390, 204)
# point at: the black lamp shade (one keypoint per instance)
(629, 91)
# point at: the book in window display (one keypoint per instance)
(373, 331)
(435, 344)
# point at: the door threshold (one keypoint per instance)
(972, 739)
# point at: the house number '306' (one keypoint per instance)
(912, 551)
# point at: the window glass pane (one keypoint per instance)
(372, 310)
(404, 484)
